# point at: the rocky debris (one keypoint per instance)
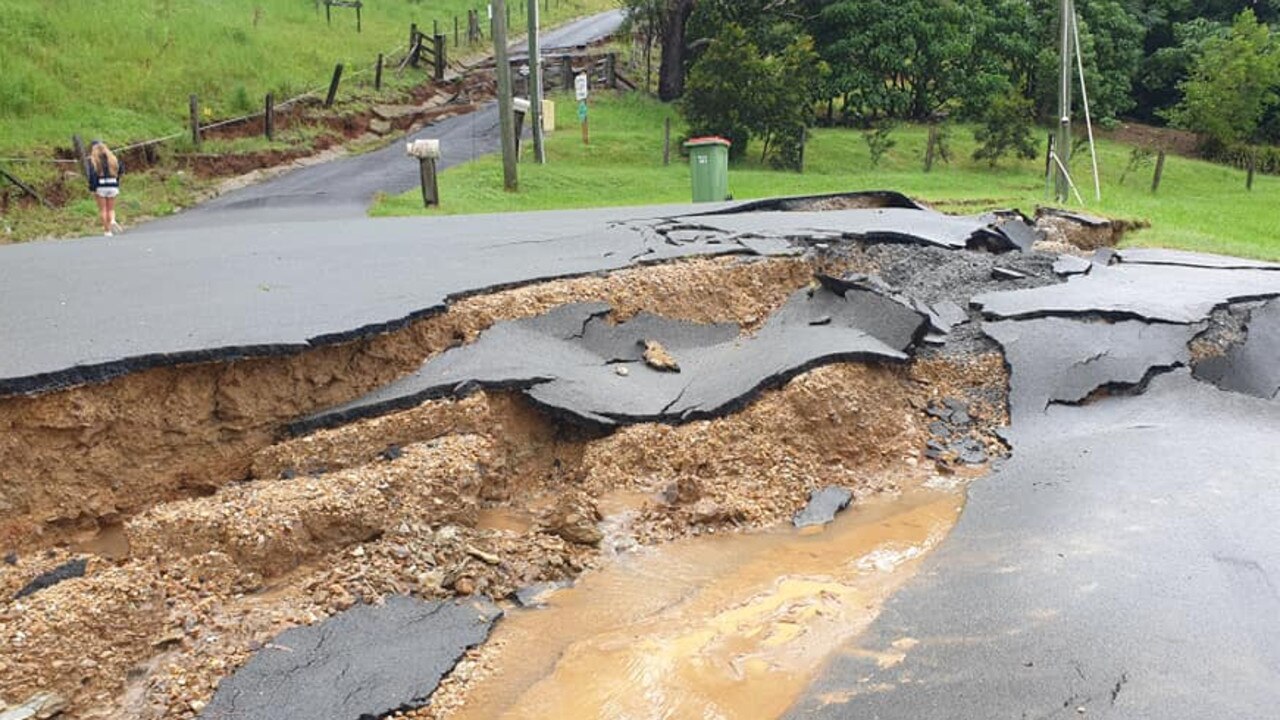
(657, 357)
(41, 706)
(70, 569)
(380, 127)
(569, 355)
(953, 433)
(398, 112)
(535, 596)
(575, 518)
(364, 662)
(1003, 273)
(684, 491)
(823, 506)
(1087, 232)
(1252, 366)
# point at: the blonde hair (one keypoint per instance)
(103, 160)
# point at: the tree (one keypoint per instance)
(671, 72)
(1233, 84)
(739, 92)
(722, 87)
(1005, 129)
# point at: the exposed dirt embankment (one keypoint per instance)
(71, 460)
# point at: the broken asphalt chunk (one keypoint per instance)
(66, 571)
(823, 506)
(1156, 293)
(1067, 265)
(1253, 367)
(565, 360)
(1061, 360)
(364, 662)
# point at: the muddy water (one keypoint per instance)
(109, 542)
(722, 627)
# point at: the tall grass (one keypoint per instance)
(122, 70)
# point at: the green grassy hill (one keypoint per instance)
(122, 70)
(1200, 206)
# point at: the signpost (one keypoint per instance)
(581, 89)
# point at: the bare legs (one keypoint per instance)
(104, 214)
(111, 215)
(107, 214)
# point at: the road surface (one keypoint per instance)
(345, 187)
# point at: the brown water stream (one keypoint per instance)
(729, 626)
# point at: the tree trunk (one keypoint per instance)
(671, 71)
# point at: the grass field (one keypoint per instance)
(1200, 206)
(122, 70)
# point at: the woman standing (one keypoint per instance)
(104, 182)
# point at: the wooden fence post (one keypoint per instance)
(333, 85)
(328, 18)
(441, 57)
(1155, 181)
(666, 142)
(358, 6)
(269, 117)
(413, 39)
(1253, 162)
(566, 72)
(195, 120)
(78, 145)
(928, 151)
(457, 41)
(611, 71)
(377, 74)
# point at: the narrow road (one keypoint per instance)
(344, 188)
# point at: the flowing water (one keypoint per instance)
(731, 626)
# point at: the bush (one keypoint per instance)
(1006, 128)
(879, 142)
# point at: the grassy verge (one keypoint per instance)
(1200, 206)
(123, 70)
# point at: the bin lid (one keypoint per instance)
(709, 140)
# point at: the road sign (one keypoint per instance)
(580, 87)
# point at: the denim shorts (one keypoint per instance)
(108, 192)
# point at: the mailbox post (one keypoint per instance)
(520, 107)
(427, 152)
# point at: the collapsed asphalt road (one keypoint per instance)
(344, 188)
(1123, 553)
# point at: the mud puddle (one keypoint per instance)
(731, 626)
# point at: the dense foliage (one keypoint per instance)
(1211, 66)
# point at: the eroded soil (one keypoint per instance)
(207, 532)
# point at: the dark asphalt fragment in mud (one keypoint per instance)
(362, 663)
(1253, 367)
(570, 360)
(66, 571)
(823, 506)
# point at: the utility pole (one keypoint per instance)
(506, 119)
(535, 83)
(1062, 146)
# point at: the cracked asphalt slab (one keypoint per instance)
(1121, 562)
(1121, 565)
(90, 310)
(573, 362)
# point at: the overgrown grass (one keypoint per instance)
(123, 70)
(1200, 206)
